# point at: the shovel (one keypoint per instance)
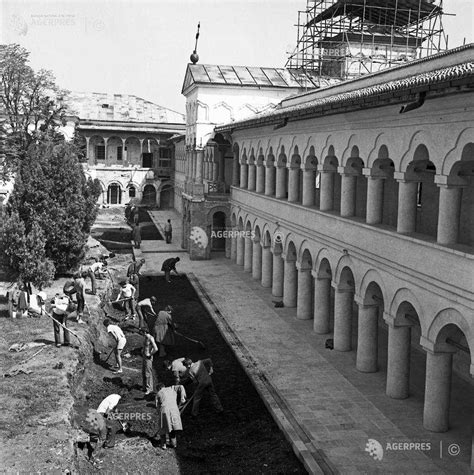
(200, 343)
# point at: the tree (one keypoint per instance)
(51, 191)
(53, 206)
(33, 104)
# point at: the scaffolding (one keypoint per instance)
(343, 39)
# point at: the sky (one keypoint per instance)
(142, 47)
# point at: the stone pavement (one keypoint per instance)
(327, 409)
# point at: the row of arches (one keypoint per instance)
(116, 194)
(422, 197)
(357, 303)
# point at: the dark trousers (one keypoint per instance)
(168, 236)
(93, 282)
(57, 329)
(80, 305)
(113, 427)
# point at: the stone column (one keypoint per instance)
(235, 169)
(437, 391)
(406, 222)
(252, 178)
(305, 290)
(309, 184)
(290, 284)
(233, 246)
(215, 171)
(322, 304)
(90, 160)
(256, 259)
(248, 254)
(343, 319)
(398, 361)
(280, 182)
(293, 185)
(199, 160)
(243, 175)
(449, 213)
(240, 251)
(348, 195)
(193, 165)
(270, 181)
(260, 185)
(326, 190)
(367, 339)
(277, 274)
(140, 160)
(106, 150)
(374, 200)
(221, 167)
(267, 266)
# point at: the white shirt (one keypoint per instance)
(96, 266)
(116, 332)
(60, 305)
(109, 403)
(127, 291)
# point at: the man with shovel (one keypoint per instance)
(120, 340)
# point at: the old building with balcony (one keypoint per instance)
(353, 204)
(128, 147)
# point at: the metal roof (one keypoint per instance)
(380, 12)
(251, 76)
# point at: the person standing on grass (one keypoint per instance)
(200, 373)
(120, 342)
(127, 295)
(136, 236)
(168, 266)
(59, 305)
(168, 231)
(80, 288)
(169, 416)
(149, 349)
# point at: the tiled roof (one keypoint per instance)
(418, 83)
(253, 76)
(120, 107)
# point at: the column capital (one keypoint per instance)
(404, 177)
(341, 290)
(302, 267)
(362, 304)
(444, 181)
(436, 347)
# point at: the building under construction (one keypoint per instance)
(344, 39)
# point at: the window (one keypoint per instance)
(119, 153)
(131, 192)
(419, 195)
(100, 152)
(147, 160)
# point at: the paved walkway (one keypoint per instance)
(327, 409)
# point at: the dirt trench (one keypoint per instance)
(244, 439)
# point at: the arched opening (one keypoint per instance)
(290, 277)
(131, 153)
(218, 231)
(345, 312)
(149, 195)
(462, 178)
(305, 303)
(114, 194)
(166, 197)
(132, 191)
(422, 171)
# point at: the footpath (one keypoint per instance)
(337, 419)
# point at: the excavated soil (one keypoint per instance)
(245, 439)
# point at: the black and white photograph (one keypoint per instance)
(237, 237)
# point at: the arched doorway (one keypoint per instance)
(149, 195)
(218, 234)
(114, 194)
(166, 198)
